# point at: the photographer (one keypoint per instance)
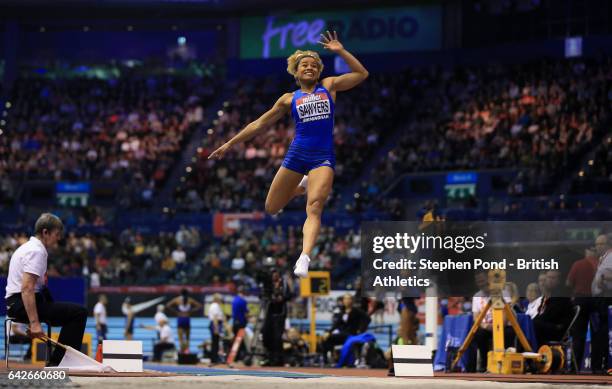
(278, 293)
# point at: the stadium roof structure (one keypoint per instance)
(96, 9)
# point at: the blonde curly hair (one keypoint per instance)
(294, 60)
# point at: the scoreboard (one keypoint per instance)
(316, 284)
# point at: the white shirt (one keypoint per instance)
(30, 257)
(215, 312)
(159, 316)
(532, 308)
(94, 280)
(165, 334)
(238, 263)
(179, 256)
(4, 257)
(480, 300)
(604, 268)
(100, 312)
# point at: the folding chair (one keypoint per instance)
(8, 322)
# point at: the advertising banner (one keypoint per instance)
(364, 31)
(327, 304)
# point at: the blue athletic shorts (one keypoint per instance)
(303, 161)
(184, 322)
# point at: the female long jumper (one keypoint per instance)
(311, 155)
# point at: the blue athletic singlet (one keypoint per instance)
(313, 145)
(184, 321)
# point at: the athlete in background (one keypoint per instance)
(311, 154)
(126, 309)
(184, 305)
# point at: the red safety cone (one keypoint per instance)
(99, 353)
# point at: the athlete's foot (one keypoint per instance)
(301, 266)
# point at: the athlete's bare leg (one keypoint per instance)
(319, 186)
(187, 336)
(320, 182)
(283, 188)
(181, 335)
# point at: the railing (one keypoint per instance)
(304, 327)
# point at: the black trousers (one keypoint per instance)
(214, 348)
(214, 345)
(272, 331)
(332, 341)
(159, 348)
(102, 332)
(71, 317)
(588, 306)
(599, 340)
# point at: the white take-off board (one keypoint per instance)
(412, 361)
(123, 355)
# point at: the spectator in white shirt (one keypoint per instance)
(94, 280)
(533, 297)
(179, 257)
(28, 300)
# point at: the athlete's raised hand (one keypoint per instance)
(331, 42)
(220, 152)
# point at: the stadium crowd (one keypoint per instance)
(131, 129)
(539, 117)
(188, 256)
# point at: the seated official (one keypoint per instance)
(533, 300)
(554, 313)
(28, 301)
(166, 338)
(350, 321)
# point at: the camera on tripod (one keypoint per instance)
(263, 277)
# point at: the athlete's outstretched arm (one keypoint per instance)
(358, 71)
(280, 108)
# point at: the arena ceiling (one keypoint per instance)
(98, 9)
